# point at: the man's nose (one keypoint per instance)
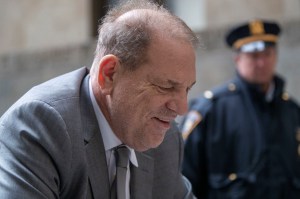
(179, 104)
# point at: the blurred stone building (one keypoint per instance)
(40, 39)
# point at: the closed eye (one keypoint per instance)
(165, 88)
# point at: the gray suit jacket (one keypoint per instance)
(51, 147)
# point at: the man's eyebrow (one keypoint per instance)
(174, 83)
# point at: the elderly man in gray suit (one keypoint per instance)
(59, 139)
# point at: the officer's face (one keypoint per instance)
(146, 100)
(257, 67)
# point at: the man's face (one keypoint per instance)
(257, 67)
(146, 100)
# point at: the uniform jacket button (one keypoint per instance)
(232, 176)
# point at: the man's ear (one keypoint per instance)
(107, 68)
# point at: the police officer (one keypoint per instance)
(243, 138)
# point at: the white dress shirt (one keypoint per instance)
(110, 141)
(270, 92)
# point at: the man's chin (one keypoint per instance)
(154, 144)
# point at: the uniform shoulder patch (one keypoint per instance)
(193, 118)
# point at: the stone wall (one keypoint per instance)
(20, 71)
(211, 14)
(226, 12)
(43, 24)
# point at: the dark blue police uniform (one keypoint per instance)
(239, 145)
(244, 147)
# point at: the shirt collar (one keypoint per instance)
(110, 140)
(270, 92)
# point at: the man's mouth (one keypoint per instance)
(164, 122)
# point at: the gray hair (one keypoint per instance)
(128, 36)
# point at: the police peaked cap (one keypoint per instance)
(256, 34)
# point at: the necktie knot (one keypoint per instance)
(122, 156)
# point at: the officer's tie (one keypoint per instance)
(119, 184)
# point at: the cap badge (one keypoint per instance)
(256, 28)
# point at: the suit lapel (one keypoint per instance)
(141, 180)
(95, 153)
(98, 172)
